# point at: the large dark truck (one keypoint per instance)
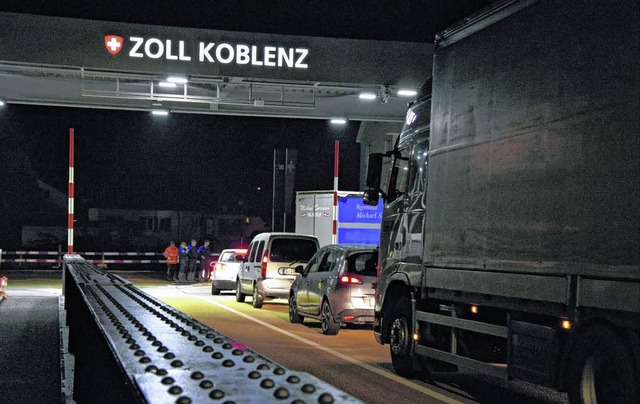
(510, 240)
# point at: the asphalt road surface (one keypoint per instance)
(351, 360)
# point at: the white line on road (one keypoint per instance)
(354, 361)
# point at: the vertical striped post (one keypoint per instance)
(336, 157)
(71, 194)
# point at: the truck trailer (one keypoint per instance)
(510, 238)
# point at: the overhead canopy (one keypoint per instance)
(99, 64)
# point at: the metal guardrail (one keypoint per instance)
(130, 347)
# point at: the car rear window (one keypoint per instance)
(364, 263)
(229, 256)
(291, 250)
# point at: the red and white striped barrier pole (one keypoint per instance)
(336, 157)
(71, 194)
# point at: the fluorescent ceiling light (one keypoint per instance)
(162, 112)
(2, 103)
(367, 96)
(407, 93)
(177, 80)
(167, 84)
(338, 121)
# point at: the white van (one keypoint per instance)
(269, 268)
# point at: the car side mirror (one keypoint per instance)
(299, 269)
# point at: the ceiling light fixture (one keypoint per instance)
(167, 84)
(338, 121)
(177, 80)
(367, 96)
(160, 112)
(407, 93)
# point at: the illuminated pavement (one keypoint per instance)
(30, 342)
(351, 361)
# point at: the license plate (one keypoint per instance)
(286, 271)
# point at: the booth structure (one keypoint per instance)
(100, 64)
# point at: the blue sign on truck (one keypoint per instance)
(357, 223)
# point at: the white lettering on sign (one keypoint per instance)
(169, 55)
(137, 42)
(225, 53)
(269, 55)
(154, 52)
(204, 52)
(302, 55)
(181, 54)
(212, 52)
(254, 54)
(242, 55)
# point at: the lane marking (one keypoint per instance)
(330, 351)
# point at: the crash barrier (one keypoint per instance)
(130, 347)
(22, 258)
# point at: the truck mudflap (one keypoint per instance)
(530, 347)
(378, 336)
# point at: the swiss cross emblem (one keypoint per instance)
(113, 43)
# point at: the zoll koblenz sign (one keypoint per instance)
(208, 52)
(152, 49)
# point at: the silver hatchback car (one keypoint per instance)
(225, 271)
(336, 287)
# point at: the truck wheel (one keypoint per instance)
(214, 290)
(239, 294)
(400, 338)
(257, 298)
(294, 317)
(329, 325)
(602, 369)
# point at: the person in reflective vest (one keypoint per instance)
(171, 254)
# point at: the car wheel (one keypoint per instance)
(602, 369)
(294, 317)
(329, 325)
(257, 298)
(214, 290)
(239, 295)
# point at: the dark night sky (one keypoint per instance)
(387, 20)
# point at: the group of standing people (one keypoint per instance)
(189, 263)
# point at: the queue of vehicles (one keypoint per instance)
(332, 284)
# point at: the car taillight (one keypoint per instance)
(265, 259)
(350, 280)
